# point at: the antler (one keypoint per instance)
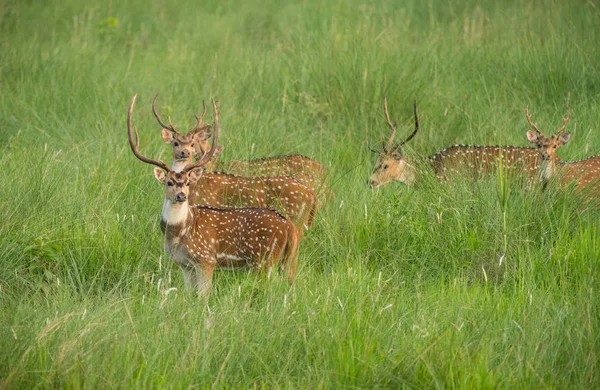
(565, 120)
(207, 156)
(160, 122)
(414, 131)
(199, 121)
(386, 147)
(136, 144)
(533, 126)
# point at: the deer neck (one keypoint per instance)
(175, 220)
(547, 169)
(178, 165)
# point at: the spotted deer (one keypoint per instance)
(200, 238)
(288, 194)
(185, 146)
(471, 159)
(584, 173)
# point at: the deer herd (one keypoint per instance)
(253, 214)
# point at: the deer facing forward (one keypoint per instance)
(199, 238)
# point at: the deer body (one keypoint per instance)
(200, 239)
(283, 193)
(476, 160)
(278, 165)
(584, 173)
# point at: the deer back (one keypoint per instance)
(282, 193)
(278, 165)
(585, 173)
(485, 159)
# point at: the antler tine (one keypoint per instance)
(533, 126)
(136, 144)
(199, 120)
(207, 156)
(386, 147)
(160, 122)
(565, 120)
(414, 131)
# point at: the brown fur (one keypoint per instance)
(282, 193)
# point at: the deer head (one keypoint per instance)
(186, 147)
(391, 164)
(547, 145)
(177, 183)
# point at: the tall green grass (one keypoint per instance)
(457, 284)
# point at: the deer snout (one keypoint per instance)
(545, 155)
(372, 183)
(185, 153)
(180, 197)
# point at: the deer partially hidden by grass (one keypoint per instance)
(584, 173)
(196, 142)
(472, 160)
(200, 238)
(288, 194)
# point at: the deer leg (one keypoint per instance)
(189, 277)
(204, 274)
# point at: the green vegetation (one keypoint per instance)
(455, 285)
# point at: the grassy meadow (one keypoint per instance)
(493, 284)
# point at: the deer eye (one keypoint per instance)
(554, 146)
(385, 166)
(170, 183)
(175, 143)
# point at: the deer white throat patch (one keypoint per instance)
(178, 165)
(547, 167)
(174, 213)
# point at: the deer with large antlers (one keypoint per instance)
(472, 159)
(185, 146)
(200, 238)
(288, 194)
(584, 173)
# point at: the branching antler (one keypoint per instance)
(565, 120)
(160, 122)
(199, 121)
(533, 126)
(207, 156)
(135, 145)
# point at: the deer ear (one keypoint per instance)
(159, 174)
(204, 134)
(564, 138)
(195, 174)
(218, 151)
(167, 136)
(532, 137)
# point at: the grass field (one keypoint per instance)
(457, 285)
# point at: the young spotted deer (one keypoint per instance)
(284, 193)
(185, 147)
(584, 173)
(200, 238)
(471, 159)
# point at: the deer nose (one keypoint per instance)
(180, 197)
(372, 183)
(185, 153)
